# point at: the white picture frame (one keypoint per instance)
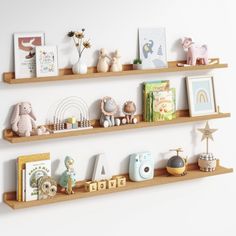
(201, 95)
(46, 61)
(152, 48)
(24, 53)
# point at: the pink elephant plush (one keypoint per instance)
(195, 53)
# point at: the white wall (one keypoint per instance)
(196, 207)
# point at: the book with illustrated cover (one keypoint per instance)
(148, 88)
(20, 165)
(164, 105)
(33, 171)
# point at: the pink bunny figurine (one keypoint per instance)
(23, 119)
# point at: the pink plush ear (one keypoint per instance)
(32, 113)
(15, 113)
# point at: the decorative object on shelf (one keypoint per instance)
(33, 172)
(103, 64)
(24, 52)
(164, 105)
(46, 61)
(41, 130)
(116, 65)
(68, 177)
(148, 89)
(108, 109)
(81, 44)
(101, 170)
(137, 64)
(207, 161)
(152, 48)
(23, 119)
(129, 108)
(47, 187)
(69, 114)
(201, 95)
(195, 54)
(177, 165)
(141, 166)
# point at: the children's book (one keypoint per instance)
(148, 88)
(20, 165)
(164, 105)
(33, 171)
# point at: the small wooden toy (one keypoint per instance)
(207, 161)
(102, 185)
(68, 177)
(176, 165)
(120, 181)
(47, 187)
(108, 109)
(129, 108)
(116, 65)
(103, 64)
(111, 183)
(195, 53)
(91, 186)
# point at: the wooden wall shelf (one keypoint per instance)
(66, 74)
(182, 117)
(161, 177)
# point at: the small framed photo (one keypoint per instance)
(152, 48)
(24, 49)
(201, 95)
(46, 61)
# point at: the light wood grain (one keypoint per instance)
(161, 177)
(66, 74)
(182, 118)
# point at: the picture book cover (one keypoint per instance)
(152, 47)
(148, 88)
(33, 171)
(164, 105)
(20, 165)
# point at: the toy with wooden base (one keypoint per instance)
(176, 165)
(207, 161)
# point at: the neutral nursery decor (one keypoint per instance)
(137, 64)
(47, 187)
(141, 166)
(176, 165)
(116, 65)
(109, 109)
(103, 63)
(129, 109)
(207, 161)
(68, 177)
(81, 44)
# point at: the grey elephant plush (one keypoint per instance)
(109, 109)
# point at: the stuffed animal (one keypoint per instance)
(129, 109)
(23, 119)
(195, 53)
(103, 64)
(109, 109)
(116, 65)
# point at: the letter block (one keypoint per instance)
(90, 186)
(102, 185)
(111, 183)
(120, 181)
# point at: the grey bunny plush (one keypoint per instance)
(23, 119)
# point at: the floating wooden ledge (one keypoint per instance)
(182, 117)
(161, 177)
(66, 74)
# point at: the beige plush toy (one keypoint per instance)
(103, 64)
(116, 65)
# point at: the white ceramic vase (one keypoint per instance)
(80, 67)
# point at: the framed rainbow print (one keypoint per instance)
(201, 95)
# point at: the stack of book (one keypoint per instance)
(158, 101)
(29, 169)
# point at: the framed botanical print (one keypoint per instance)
(201, 95)
(46, 61)
(152, 48)
(24, 49)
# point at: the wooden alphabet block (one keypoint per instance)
(75, 126)
(90, 186)
(111, 183)
(120, 181)
(71, 120)
(68, 126)
(102, 185)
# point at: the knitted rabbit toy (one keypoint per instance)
(23, 119)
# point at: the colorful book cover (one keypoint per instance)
(33, 171)
(148, 88)
(21, 161)
(23, 185)
(164, 105)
